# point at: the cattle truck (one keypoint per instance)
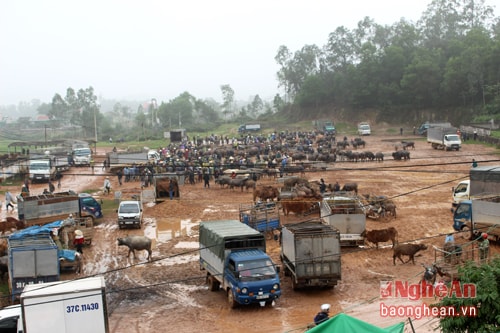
(445, 138)
(347, 214)
(479, 215)
(75, 306)
(310, 253)
(482, 180)
(33, 259)
(234, 257)
(46, 208)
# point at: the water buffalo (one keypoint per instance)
(382, 235)
(237, 182)
(136, 243)
(266, 192)
(350, 187)
(408, 250)
(223, 180)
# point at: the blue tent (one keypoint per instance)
(347, 324)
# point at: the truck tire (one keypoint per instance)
(295, 286)
(213, 284)
(230, 299)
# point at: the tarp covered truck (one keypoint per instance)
(234, 257)
(346, 213)
(77, 306)
(482, 180)
(310, 252)
(445, 138)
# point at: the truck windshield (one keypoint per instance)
(452, 137)
(256, 269)
(39, 166)
(129, 208)
(82, 152)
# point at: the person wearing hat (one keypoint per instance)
(79, 241)
(107, 185)
(484, 247)
(323, 315)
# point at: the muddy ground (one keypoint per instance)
(170, 293)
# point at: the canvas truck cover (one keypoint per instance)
(222, 235)
(485, 180)
(75, 306)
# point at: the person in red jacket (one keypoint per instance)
(79, 241)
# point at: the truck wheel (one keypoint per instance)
(230, 298)
(213, 284)
(295, 286)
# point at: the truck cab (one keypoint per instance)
(89, 205)
(249, 273)
(130, 214)
(461, 192)
(364, 129)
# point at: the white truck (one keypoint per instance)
(42, 169)
(82, 156)
(482, 180)
(445, 138)
(75, 306)
(346, 213)
(364, 129)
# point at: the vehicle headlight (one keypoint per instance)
(276, 286)
(244, 290)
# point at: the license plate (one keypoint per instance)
(262, 296)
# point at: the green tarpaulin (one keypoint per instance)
(347, 324)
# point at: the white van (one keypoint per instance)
(364, 129)
(153, 156)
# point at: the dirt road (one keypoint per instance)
(170, 294)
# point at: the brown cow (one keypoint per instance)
(407, 250)
(298, 206)
(382, 235)
(11, 223)
(265, 192)
(162, 187)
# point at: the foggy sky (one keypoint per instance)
(158, 49)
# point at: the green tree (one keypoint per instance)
(227, 99)
(486, 279)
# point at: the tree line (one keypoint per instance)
(445, 66)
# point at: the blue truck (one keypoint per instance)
(234, 257)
